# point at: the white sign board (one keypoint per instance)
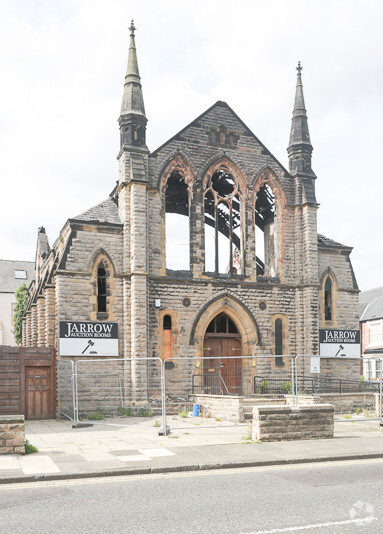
(83, 338)
(315, 364)
(334, 343)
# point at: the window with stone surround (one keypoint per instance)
(328, 299)
(278, 341)
(266, 232)
(101, 288)
(177, 231)
(166, 337)
(223, 230)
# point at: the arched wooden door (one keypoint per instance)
(222, 376)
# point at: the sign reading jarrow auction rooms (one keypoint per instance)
(83, 338)
(339, 343)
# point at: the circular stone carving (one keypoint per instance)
(186, 302)
(262, 305)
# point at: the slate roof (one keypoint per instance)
(327, 242)
(371, 304)
(8, 282)
(105, 212)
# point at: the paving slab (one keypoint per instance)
(106, 449)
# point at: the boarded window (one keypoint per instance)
(167, 337)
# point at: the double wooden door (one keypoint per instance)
(222, 375)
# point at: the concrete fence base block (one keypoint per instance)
(12, 434)
(280, 423)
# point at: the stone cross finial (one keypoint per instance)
(132, 28)
(299, 68)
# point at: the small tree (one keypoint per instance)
(19, 310)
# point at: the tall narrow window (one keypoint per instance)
(278, 342)
(328, 300)
(101, 288)
(223, 231)
(266, 232)
(167, 337)
(177, 223)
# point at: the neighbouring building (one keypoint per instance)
(208, 243)
(12, 275)
(371, 332)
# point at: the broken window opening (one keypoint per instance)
(222, 324)
(266, 232)
(101, 288)
(328, 300)
(223, 231)
(177, 223)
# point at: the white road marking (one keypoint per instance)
(317, 525)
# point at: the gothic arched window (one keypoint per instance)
(328, 300)
(266, 232)
(101, 288)
(177, 232)
(223, 232)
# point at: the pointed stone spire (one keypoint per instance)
(300, 147)
(132, 118)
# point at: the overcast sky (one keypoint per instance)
(62, 70)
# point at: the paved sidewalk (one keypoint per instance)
(102, 450)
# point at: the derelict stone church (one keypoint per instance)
(250, 275)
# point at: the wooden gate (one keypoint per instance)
(28, 382)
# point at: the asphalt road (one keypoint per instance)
(341, 497)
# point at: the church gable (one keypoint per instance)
(219, 132)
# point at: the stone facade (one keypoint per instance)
(127, 234)
(225, 407)
(12, 434)
(277, 423)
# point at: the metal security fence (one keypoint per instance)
(66, 389)
(134, 390)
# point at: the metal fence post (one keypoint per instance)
(75, 396)
(164, 431)
(380, 392)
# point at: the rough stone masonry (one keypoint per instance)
(259, 279)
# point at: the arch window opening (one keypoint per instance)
(101, 288)
(223, 230)
(278, 341)
(177, 231)
(167, 337)
(266, 232)
(328, 300)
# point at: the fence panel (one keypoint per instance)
(118, 387)
(252, 379)
(65, 389)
